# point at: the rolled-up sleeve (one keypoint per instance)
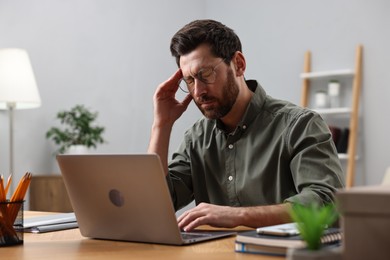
(315, 165)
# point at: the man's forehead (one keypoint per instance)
(201, 55)
(192, 66)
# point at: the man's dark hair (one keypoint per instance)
(222, 40)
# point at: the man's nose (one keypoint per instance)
(200, 88)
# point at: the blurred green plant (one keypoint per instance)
(312, 220)
(78, 129)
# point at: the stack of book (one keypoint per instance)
(276, 240)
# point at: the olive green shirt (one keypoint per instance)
(278, 153)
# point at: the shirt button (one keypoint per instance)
(231, 146)
(230, 178)
(244, 127)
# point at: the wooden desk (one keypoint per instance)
(69, 244)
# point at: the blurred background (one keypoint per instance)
(111, 55)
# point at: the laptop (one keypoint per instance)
(126, 198)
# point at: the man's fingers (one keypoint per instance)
(176, 76)
(187, 100)
(193, 218)
(172, 84)
(202, 220)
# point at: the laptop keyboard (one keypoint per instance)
(189, 235)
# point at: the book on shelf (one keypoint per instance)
(253, 242)
(340, 138)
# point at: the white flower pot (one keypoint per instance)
(77, 149)
(327, 253)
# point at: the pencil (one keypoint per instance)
(18, 195)
(9, 209)
(3, 196)
(8, 184)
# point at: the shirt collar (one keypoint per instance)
(254, 107)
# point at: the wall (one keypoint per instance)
(108, 55)
(277, 33)
(111, 55)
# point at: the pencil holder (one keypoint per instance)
(11, 223)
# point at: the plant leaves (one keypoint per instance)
(78, 129)
(312, 220)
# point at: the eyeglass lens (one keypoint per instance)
(205, 75)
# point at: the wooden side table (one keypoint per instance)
(48, 193)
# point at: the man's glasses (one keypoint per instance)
(205, 75)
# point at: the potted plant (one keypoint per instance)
(312, 221)
(78, 129)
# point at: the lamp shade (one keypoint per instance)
(18, 87)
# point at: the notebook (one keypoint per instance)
(51, 222)
(125, 197)
(266, 241)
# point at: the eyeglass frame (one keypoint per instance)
(196, 76)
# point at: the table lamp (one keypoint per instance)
(18, 89)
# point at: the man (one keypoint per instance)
(250, 156)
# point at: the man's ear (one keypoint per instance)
(239, 63)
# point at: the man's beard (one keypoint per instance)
(223, 105)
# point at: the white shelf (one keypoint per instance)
(330, 73)
(351, 79)
(333, 111)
